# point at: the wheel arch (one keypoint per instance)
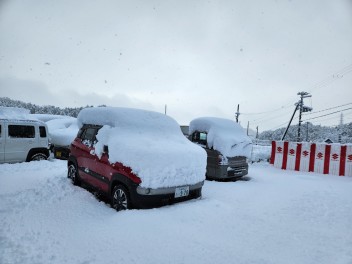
(72, 160)
(34, 151)
(120, 179)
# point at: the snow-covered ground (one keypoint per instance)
(275, 217)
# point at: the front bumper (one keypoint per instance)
(149, 198)
(228, 172)
(170, 190)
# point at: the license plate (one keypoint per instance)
(58, 154)
(181, 191)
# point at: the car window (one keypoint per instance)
(21, 131)
(88, 136)
(200, 138)
(42, 131)
(203, 136)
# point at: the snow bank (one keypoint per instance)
(150, 143)
(224, 135)
(260, 153)
(62, 130)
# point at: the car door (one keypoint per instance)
(103, 171)
(2, 143)
(87, 159)
(20, 139)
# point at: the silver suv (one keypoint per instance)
(23, 140)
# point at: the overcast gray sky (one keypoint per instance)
(201, 58)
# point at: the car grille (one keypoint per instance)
(236, 171)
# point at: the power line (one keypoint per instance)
(265, 118)
(327, 114)
(328, 109)
(280, 126)
(325, 119)
(334, 77)
(270, 111)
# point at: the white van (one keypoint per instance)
(23, 140)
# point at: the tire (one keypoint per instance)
(38, 156)
(72, 173)
(120, 199)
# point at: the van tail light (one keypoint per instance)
(222, 160)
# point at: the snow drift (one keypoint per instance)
(150, 143)
(224, 135)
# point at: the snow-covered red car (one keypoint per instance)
(137, 158)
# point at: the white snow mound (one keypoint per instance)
(223, 135)
(48, 117)
(62, 130)
(150, 143)
(14, 113)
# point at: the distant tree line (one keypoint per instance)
(36, 109)
(312, 133)
(309, 132)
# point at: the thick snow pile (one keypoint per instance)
(62, 131)
(224, 135)
(47, 117)
(14, 113)
(277, 217)
(150, 143)
(260, 153)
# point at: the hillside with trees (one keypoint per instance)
(312, 133)
(36, 109)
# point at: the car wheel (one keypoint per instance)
(120, 199)
(72, 173)
(38, 156)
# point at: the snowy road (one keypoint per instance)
(276, 217)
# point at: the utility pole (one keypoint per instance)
(165, 108)
(299, 105)
(339, 128)
(302, 109)
(237, 113)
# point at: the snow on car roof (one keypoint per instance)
(223, 135)
(150, 143)
(48, 117)
(62, 130)
(14, 113)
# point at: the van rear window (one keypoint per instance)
(42, 131)
(21, 131)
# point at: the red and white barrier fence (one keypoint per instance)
(314, 157)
